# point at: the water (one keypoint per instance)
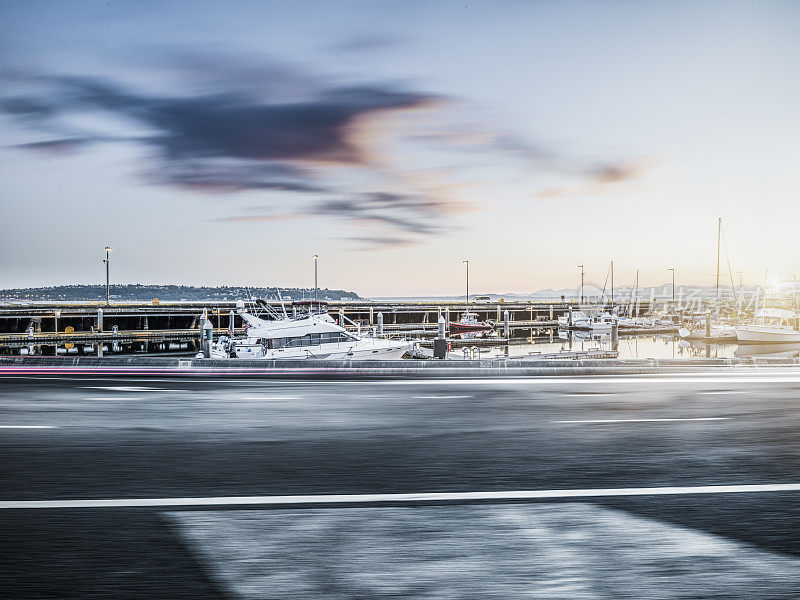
(654, 346)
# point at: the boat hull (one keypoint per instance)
(465, 328)
(761, 334)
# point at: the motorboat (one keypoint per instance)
(577, 316)
(604, 321)
(314, 335)
(771, 325)
(469, 323)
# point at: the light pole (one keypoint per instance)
(316, 259)
(107, 260)
(673, 286)
(466, 262)
(582, 274)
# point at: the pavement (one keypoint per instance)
(645, 486)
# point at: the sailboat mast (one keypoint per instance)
(719, 235)
(612, 285)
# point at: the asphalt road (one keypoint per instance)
(159, 438)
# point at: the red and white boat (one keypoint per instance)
(469, 324)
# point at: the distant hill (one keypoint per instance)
(139, 291)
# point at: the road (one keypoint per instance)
(188, 450)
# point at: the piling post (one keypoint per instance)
(231, 322)
(56, 315)
(341, 317)
(708, 324)
(294, 312)
(371, 315)
(447, 316)
(441, 325)
(506, 325)
(100, 349)
(208, 337)
(99, 319)
(551, 312)
(569, 320)
(380, 324)
(614, 335)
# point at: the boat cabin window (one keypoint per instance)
(310, 339)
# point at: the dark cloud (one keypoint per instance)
(226, 125)
(241, 139)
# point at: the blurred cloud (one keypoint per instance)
(234, 125)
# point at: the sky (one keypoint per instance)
(228, 142)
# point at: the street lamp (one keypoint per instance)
(108, 263)
(316, 259)
(582, 274)
(673, 286)
(466, 262)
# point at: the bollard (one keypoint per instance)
(380, 324)
(208, 337)
(440, 343)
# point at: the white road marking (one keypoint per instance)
(438, 397)
(28, 427)
(125, 388)
(564, 550)
(771, 376)
(418, 497)
(271, 398)
(645, 420)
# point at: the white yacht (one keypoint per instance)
(578, 316)
(310, 336)
(771, 325)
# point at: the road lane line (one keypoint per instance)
(28, 427)
(271, 398)
(125, 388)
(417, 497)
(645, 420)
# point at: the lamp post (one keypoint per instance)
(316, 259)
(582, 274)
(673, 286)
(107, 260)
(466, 262)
